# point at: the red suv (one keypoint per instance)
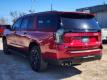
(59, 38)
(2, 27)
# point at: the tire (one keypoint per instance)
(5, 47)
(36, 61)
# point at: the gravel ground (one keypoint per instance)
(14, 67)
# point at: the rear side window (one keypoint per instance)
(30, 23)
(48, 23)
(16, 25)
(24, 23)
(27, 23)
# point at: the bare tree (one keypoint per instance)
(3, 20)
(16, 14)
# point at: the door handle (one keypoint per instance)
(13, 32)
(25, 33)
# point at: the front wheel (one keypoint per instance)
(36, 61)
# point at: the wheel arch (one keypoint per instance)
(3, 37)
(33, 43)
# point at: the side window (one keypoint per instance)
(50, 22)
(24, 23)
(16, 25)
(27, 23)
(30, 23)
(41, 22)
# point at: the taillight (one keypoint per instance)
(72, 39)
(59, 36)
(83, 39)
(67, 39)
(1, 30)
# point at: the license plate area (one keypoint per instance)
(85, 39)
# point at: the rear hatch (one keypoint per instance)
(81, 32)
(82, 40)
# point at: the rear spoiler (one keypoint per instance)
(78, 15)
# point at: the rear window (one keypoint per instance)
(83, 23)
(79, 21)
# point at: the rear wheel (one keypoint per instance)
(36, 60)
(5, 47)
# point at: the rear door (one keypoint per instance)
(11, 37)
(22, 37)
(82, 32)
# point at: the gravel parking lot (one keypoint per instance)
(14, 67)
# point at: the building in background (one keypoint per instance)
(101, 16)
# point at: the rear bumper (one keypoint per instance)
(74, 60)
(63, 54)
(73, 57)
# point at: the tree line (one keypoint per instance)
(14, 15)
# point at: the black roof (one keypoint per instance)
(59, 12)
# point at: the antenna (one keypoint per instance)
(32, 4)
(104, 2)
(51, 7)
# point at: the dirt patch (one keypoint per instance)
(15, 67)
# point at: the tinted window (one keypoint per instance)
(24, 23)
(30, 23)
(5, 26)
(17, 24)
(69, 23)
(27, 23)
(48, 23)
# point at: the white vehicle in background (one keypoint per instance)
(104, 34)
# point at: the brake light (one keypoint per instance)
(1, 29)
(83, 39)
(67, 39)
(71, 39)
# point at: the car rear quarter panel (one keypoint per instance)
(45, 40)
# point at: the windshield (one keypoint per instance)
(85, 23)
